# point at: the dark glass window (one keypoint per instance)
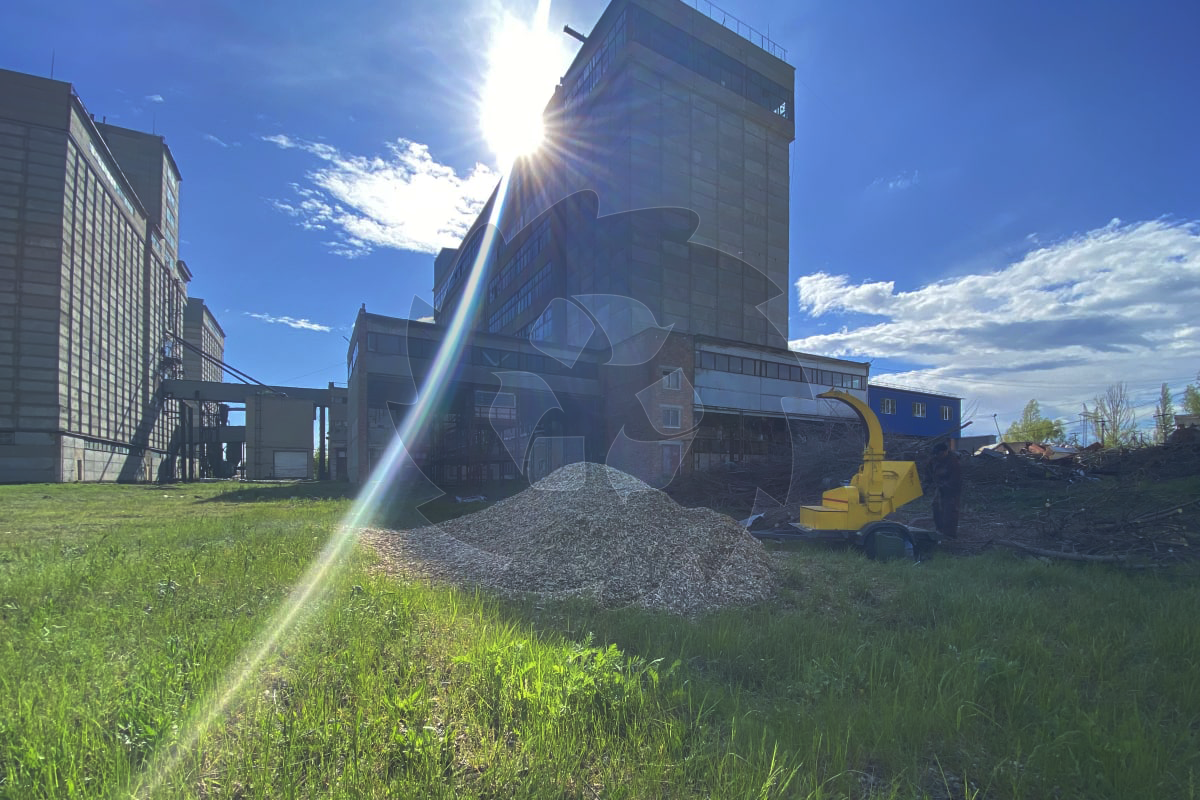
(421, 348)
(531, 290)
(381, 389)
(387, 344)
(519, 260)
(466, 260)
(705, 60)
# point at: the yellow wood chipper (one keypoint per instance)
(856, 512)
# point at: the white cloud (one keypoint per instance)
(154, 98)
(897, 183)
(403, 200)
(291, 322)
(208, 137)
(1117, 304)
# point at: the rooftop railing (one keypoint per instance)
(753, 35)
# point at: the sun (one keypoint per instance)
(524, 63)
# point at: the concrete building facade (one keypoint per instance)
(513, 410)
(92, 291)
(279, 434)
(663, 108)
(636, 266)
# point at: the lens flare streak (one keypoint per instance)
(306, 597)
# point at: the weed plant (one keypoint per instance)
(124, 610)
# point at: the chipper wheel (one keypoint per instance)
(884, 541)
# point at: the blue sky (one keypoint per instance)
(994, 199)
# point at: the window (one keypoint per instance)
(590, 75)
(491, 357)
(531, 290)
(515, 265)
(495, 405)
(671, 377)
(381, 389)
(541, 329)
(498, 399)
(421, 348)
(671, 416)
(887, 405)
(385, 343)
(465, 261)
(945, 413)
(918, 409)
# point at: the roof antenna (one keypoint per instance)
(51, 65)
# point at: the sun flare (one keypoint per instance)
(524, 64)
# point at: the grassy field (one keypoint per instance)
(128, 613)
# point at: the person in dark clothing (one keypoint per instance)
(944, 477)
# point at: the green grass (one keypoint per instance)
(124, 610)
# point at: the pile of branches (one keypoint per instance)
(1017, 471)
(1138, 536)
(1178, 458)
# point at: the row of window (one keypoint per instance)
(519, 260)
(426, 349)
(688, 51)
(661, 36)
(531, 290)
(771, 369)
(887, 405)
(541, 329)
(105, 447)
(466, 260)
(599, 64)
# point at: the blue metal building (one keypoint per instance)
(911, 412)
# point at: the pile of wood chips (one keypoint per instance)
(592, 531)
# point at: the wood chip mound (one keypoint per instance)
(590, 530)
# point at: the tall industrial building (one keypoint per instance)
(92, 291)
(663, 107)
(632, 306)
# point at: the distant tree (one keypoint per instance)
(1191, 397)
(1033, 427)
(1164, 416)
(1114, 423)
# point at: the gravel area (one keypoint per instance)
(590, 530)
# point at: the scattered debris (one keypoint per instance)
(593, 531)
